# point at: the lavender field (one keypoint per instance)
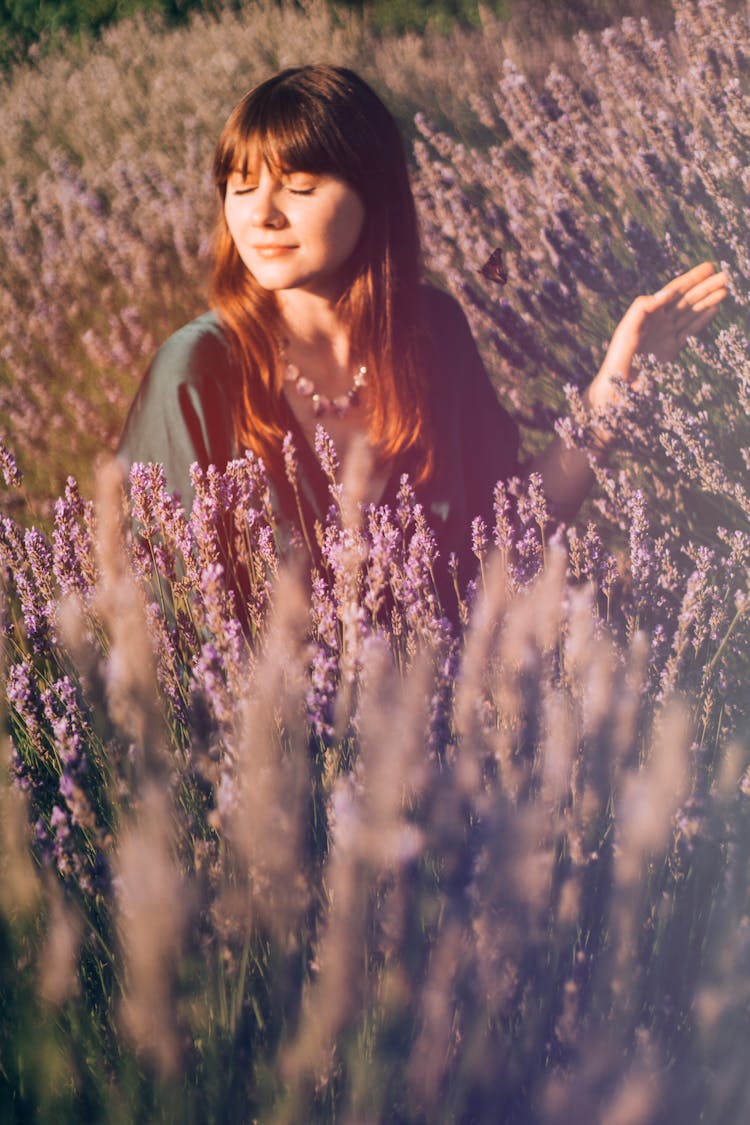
(312, 853)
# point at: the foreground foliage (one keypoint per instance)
(347, 862)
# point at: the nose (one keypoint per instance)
(265, 211)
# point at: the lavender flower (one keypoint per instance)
(73, 557)
(326, 453)
(11, 473)
(291, 466)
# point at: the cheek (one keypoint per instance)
(349, 223)
(236, 213)
(230, 219)
(233, 236)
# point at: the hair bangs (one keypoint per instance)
(281, 131)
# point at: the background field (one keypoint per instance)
(42, 24)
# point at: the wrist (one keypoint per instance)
(597, 397)
(599, 393)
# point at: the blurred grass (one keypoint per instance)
(42, 25)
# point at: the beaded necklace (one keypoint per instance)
(322, 404)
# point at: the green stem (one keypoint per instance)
(732, 625)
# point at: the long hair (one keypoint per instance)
(325, 119)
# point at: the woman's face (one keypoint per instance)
(294, 230)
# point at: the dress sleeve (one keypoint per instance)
(182, 411)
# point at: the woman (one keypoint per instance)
(319, 317)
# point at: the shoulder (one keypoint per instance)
(196, 354)
(450, 343)
(182, 410)
(450, 340)
(441, 310)
(458, 372)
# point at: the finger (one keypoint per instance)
(708, 300)
(717, 281)
(678, 286)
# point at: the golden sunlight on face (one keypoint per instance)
(294, 230)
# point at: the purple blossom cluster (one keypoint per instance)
(55, 772)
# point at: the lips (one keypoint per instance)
(270, 250)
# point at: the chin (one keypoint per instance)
(275, 285)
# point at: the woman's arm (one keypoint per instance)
(655, 325)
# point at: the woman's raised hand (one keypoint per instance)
(659, 325)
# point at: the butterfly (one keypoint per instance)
(494, 268)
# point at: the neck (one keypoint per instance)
(313, 323)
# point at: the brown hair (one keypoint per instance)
(325, 119)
